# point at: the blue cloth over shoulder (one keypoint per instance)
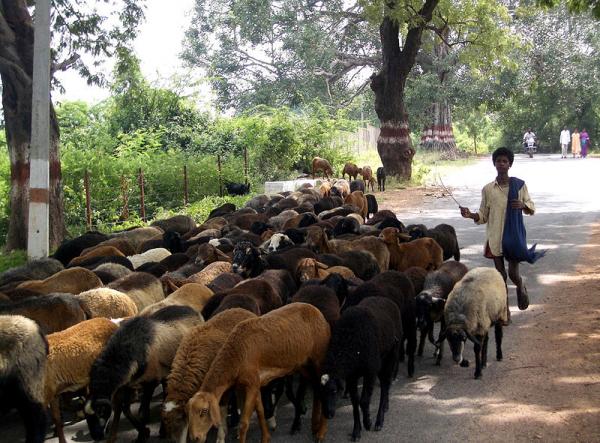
(514, 237)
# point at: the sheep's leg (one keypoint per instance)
(143, 431)
(498, 335)
(440, 349)
(477, 349)
(424, 334)
(298, 405)
(118, 400)
(319, 423)
(222, 429)
(144, 409)
(411, 346)
(34, 418)
(252, 402)
(352, 385)
(484, 350)
(260, 412)
(57, 419)
(365, 400)
(385, 380)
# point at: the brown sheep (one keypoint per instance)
(309, 268)
(72, 281)
(70, 356)
(194, 295)
(208, 254)
(320, 164)
(192, 361)
(108, 303)
(98, 251)
(121, 243)
(367, 174)
(209, 273)
(143, 288)
(423, 252)
(358, 199)
(258, 351)
(341, 188)
(138, 236)
(417, 276)
(325, 189)
(352, 170)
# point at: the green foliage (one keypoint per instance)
(12, 259)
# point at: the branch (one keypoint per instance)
(65, 64)
(269, 66)
(359, 91)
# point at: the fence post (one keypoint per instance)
(185, 186)
(220, 176)
(142, 206)
(125, 195)
(88, 203)
(246, 164)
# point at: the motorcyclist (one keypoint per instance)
(527, 137)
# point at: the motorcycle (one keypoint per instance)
(530, 147)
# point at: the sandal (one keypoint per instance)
(522, 298)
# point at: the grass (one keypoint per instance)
(12, 259)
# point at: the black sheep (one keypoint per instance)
(259, 227)
(323, 298)
(225, 208)
(335, 282)
(34, 270)
(364, 343)
(443, 234)
(237, 188)
(307, 219)
(397, 287)
(391, 222)
(288, 258)
(381, 179)
(357, 185)
(372, 206)
(298, 236)
(247, 260)
(347, 225)
(282, 282)
(69, 249)
(362, 263)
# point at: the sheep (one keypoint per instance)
(279, 220)
(259, 227)
(258, 289)
(247, 260)
(138, 236)
(38, 269)
(173, 280)
(381, 176)
(417, 277)
(69, 249)
(236, 235)
(443, 234)
(357, 185)
(309, 268)
(477, 302)
(423, 252)
(346, 225)
(282, 282)
(327, 203)
(153, 268)
(208, 254)
(108, 303)
(277, 242)
(257, 351)
(94, 262)
(237, 188)
(323, 298)
(152, 255)
(288, 259)
(109, 272)
(340, 211)
(224, 302)
(224, 281)
(97, 251)
(53, 312)
(362, 263)
(455, 269)
(143, 288)
(372, 206)
(174, 261)
(190, 365)
(139, 353)
(120, 243)
(364, 343)
(194, 295)
(325, 189)
(72, 280)
(320, 164)
(300, 221)
(297, 236)
(225, 208)
(352, 170)
(358, 199)
(367, 174)
(397, 287)
(209, 273)
(23, 351)
(340, 188)
(177, 223)
(70, 357)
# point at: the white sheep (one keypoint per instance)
(477, 302)
(151, 255)
(108, 303)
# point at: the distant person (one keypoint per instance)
(503, 202)
(565, 138)
(585, 142)
(529, 135)
(576, 143)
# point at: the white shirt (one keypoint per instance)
(565, 137)
(529, 136)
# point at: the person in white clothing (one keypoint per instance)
(565, 137)
(529, 135)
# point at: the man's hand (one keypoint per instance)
(465, 212)
(517, 204)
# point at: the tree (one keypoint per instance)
(76, 29)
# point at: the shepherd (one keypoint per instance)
(503, 203)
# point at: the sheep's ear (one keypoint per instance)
(222, 255)
(321, 265)
(404, 237)
(214, 411)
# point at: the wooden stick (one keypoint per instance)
(448, 191)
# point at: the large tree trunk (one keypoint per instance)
(16, 70)
(394, 144)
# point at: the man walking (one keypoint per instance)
(565, 137)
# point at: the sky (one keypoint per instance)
(158, 45)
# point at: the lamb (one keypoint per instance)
(97, 251)
(152, 255)
(443, 234)
(70, 249)
(309, 268)
(178, 223)
(381, 179)
(367, 174)
(108, 303)
(194, 295)
(364, 343)
(325, 189)
(358, 199)
(190, 365)
(140, 352)
(300, 221)
(53, 312)
(327, 203)
(257, 351)
(143, 288)
(94, 262)
(34, 270)
(320, 164)
(23, 350)
(72, 280)
(423, 252)
(346, 225)
(282, 282)
(352, 170)
(476, 303)
(70, 357)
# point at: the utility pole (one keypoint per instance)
(39, 175)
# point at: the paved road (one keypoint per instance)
(442, 403)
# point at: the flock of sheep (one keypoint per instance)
(295, 291)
